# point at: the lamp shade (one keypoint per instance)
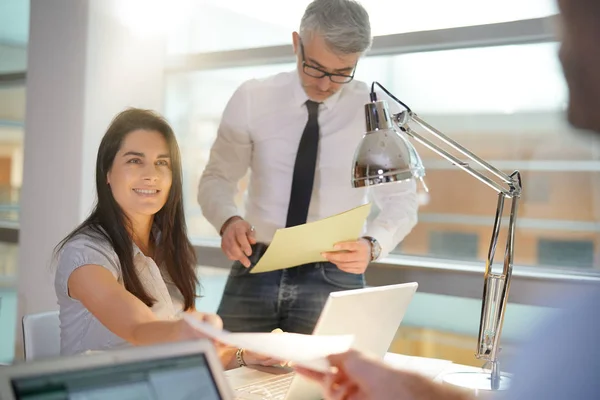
(384, 155)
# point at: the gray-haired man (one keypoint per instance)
(297, 132)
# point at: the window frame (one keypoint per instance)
(435, 275)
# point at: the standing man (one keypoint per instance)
(297, 132)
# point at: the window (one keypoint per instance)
(12, 110)
(454, 245)
(566, 253)
(510, 113)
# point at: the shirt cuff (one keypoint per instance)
(222, 216)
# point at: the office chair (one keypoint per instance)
(41, 335)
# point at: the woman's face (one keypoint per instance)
(140, 177)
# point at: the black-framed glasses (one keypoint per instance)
(316, 72)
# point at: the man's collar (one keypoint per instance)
(300, 96)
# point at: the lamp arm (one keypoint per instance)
(495, 286)
(504, 183)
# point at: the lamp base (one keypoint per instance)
(475, 382)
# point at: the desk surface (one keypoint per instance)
(430, 367)
(437, 369)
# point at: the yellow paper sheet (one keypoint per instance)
(304, 244)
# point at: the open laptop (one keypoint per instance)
(174, 371)
(372, 315)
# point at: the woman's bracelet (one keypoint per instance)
(239, 356)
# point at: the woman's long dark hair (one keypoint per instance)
(107, 220)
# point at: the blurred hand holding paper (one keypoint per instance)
(304, 244)
(307, 351)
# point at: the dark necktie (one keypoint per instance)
(304, 168)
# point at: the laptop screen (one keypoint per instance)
(177, 378)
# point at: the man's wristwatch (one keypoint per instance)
(375, 247)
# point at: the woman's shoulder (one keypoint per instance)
(88, 246)
(91, 238)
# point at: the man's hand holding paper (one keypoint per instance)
(315, 241)
(352, 256)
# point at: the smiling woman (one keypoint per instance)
(131, 254)
(127, 273)
(139, 152)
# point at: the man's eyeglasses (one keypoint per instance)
(319, 73)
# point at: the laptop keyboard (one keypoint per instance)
(273, 388)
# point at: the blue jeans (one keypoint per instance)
(290, 299)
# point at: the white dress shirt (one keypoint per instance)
(261, 128)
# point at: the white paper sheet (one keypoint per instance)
(308, 351)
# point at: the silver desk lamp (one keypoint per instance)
(386, 155)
